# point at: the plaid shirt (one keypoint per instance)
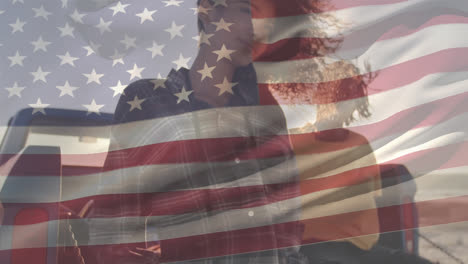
(222, 170)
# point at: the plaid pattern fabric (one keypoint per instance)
(234, 184)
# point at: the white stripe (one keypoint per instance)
(448, 132)
(436, 185)
(384, 105)
(347, 20)
(381, 55)
(109, 230)
(166, 178)
(430, 88)
(216, 123)
(144, 179)
(394, 146)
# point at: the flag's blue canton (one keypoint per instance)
(157, 101)
(81, 54)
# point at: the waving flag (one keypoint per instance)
(227, 130)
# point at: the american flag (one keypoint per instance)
(219, 177)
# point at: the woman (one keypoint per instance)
(339, 174)
(225, 163)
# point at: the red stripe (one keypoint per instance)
(191, 201)
(280, 8)
(175, 152)
(421, 116)
(426, 115)
(37, 239)
(417, 117)
(404, 30)
(450, 60)
(434, 212)
(247, 240)
(449, 156)
(306, 48)
(166, 203)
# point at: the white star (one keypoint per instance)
(220, 2)
(156, 49)
(118, 89)
(223, 53)
(17, 59)
(40, 44)
(175, 30)
(205, 38)
(15, 90)
(222, 25)
(225, 86)
(201, 10)
(66, 89)
(183, 95)
(135, 72)
(67, 59)
(17, 26)
(93, 77)
(89, 50)
(92, 48)
(66, 31)
(118, 8)
(135, 103)
(39, 107)
(20, 1)
(64, 3)
(103, 26)
(146, 15)
(158, 83)
(41, 12)
(93, 108)
(77, 17)
(128, 42)
(172, 3)
(117, 58)
(206, 72)
(39, 75)
(181, 62)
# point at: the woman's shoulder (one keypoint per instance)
(146, 99)
(357, 137)
(341, 135)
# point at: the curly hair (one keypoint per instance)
(327, 83)
(346, 85)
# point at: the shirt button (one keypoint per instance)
(237, 160)
(251, 213)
